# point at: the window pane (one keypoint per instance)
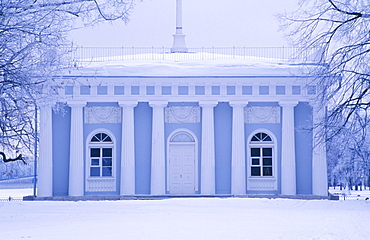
(95, 139)
(255, 171)
(94, 172)
(267, 162)
(99, 136)
(267, 151)
(107, 171)
(103, 136)
(107, 152)
(255, 152)
(254, 139)
(267, 171)
(268, 139)
(107, 161)
(95, 152)
(264, 135)
(94, 162)
(106, 138)
(255, 161)
(259, 136)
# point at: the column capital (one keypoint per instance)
(158, 103)
(76, 103)
(288, 103)
(127, 103)
(208, 103)
(238, 103)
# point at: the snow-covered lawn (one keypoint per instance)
(186, 218)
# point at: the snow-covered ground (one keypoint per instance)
(184, 218)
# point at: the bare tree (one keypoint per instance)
(348, 159)
(32, 50)
(340, 29)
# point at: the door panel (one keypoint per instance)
(182, 169)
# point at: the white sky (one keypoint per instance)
(205, 23)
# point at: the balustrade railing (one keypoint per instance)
(277, 54)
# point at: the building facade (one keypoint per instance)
(183, 129)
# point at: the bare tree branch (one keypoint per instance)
(32, 50)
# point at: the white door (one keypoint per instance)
(181, 169)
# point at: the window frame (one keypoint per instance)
(262, 145)
(100, 145)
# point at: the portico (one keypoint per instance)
(212, 126)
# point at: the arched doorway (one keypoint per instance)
(182, 162)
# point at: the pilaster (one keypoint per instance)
(319, 164)
(45, 163)
(127, 182)
(208, 148)
(158, 169)
(288, 161)
(76, 160)
(238, 176)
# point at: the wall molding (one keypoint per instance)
(262, 114)
(102, 115)
(182, 114)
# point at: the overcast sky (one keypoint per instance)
(205, 23)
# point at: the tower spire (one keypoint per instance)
(179, 38)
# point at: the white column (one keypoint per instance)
(158, 171)
(288, 162)
(319, 165)
(179, 38)
(76, 159)
(45, 163)
(128, 149)
(238, 177)
(178, 16)
(208, 148)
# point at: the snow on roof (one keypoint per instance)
(188, 64)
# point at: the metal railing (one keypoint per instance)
(277, 54)
(10, 198)
(346, 196)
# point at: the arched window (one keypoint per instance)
(101, 162)
(262, 159)
(101, 137)
(182, 136)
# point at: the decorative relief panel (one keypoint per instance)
(182, 114)
(102, 115)
(262, 114)
(256, 184)
(101, 185)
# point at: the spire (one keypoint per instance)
(179, 38)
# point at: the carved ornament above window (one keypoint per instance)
(102, 115)
(262, 114)
(182, 114)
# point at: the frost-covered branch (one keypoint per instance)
(341, 28)
(33, 47)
